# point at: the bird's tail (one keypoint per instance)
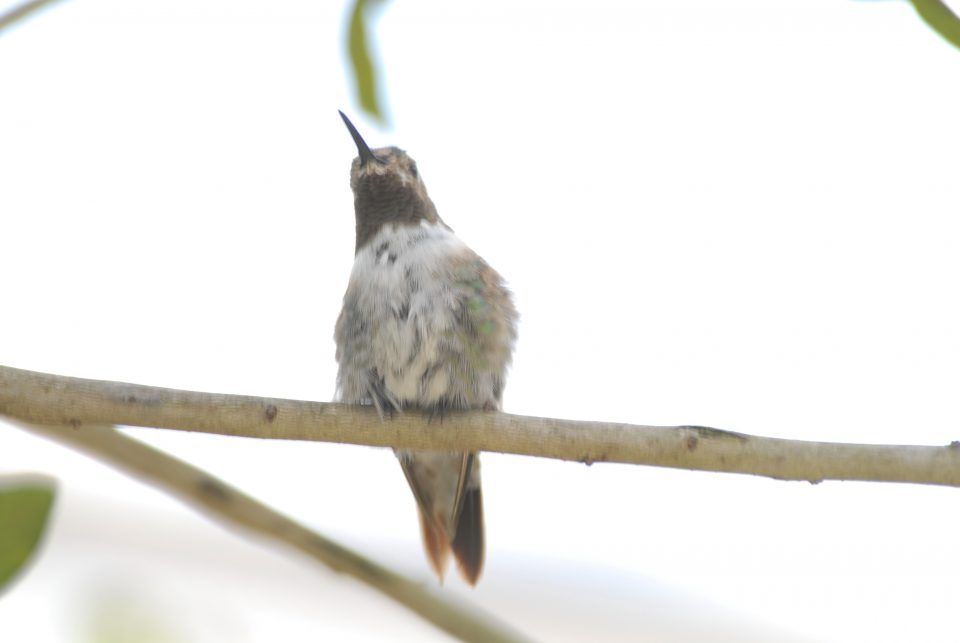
(468, 544)
(447, 489)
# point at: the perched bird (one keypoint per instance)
(426, 324)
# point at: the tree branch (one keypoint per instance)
(20, 12)
(229, 505)
(50, 399)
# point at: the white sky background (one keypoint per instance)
(739, 214)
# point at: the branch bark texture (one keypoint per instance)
(231, 506)
(55, 400)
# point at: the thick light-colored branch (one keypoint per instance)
(231, 506)
(51, 399)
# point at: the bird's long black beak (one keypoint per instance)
(362, 147)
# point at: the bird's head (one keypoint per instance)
(387, 188)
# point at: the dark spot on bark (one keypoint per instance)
(75, 423)
(270, 412)
(711, 433)
(589, 460)
(138, 399)
(692, 443)
(213, 489)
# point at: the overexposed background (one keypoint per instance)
(740, 214)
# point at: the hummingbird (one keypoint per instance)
(426, 325)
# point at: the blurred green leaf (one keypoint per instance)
(940, 18)
(124, 613)
(365, 72)
(25, 503)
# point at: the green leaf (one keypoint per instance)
(939, 17)
(25, 503)
(365, 73)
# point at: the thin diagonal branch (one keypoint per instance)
(50, 399)
(231, 506)
(22, 11)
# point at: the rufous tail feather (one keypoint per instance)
(436, 544)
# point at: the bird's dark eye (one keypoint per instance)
(413, 169)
